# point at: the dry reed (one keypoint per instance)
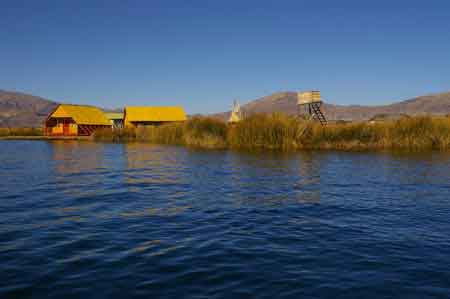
(281, 132)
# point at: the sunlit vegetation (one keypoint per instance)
(5, 132)
(117, 135)
(282, 132)
(197, 132)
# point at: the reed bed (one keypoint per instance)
(287, 133)
(117, 135)
(5, 132)
(202, 132)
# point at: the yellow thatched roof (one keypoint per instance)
(154, 114)
(82, 115)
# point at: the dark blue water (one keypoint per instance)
(89, 220)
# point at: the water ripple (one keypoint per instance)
(83, 219)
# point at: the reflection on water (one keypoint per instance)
(162, 221)
(73, 157)
(152, 165)
(278, 177)
(309, 181)
(80, 166)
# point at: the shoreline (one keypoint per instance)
(46, 138)
(278, 132)
(348, 149)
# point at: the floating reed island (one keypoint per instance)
(308, 130)
(282, 132)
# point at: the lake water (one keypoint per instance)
(92, 220)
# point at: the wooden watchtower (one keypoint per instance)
(309, 103)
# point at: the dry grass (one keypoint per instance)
(413, 134)
(165, 134)
(275, 131)
(205, 132)
(4, 132)
(196, 132)
(286, 133)
(109, 135)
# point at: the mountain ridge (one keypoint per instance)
(19, 109)
(286, 102)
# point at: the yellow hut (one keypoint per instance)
(75, 120)
(135, 116)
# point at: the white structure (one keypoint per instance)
(236, 114)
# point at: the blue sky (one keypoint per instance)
(204, 54)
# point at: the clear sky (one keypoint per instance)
(204, 54)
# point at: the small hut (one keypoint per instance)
(116, 119)
(146, 116)
(75, 120)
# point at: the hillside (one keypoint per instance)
(23, 110)
(436, 104)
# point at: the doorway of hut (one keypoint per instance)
(66, 127)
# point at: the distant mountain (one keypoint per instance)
(23, 110)
(436, 104)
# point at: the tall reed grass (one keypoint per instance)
(116, 135)
(281, 132)
(4, 132)
(196, 132)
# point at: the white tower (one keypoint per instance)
(236, 114)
